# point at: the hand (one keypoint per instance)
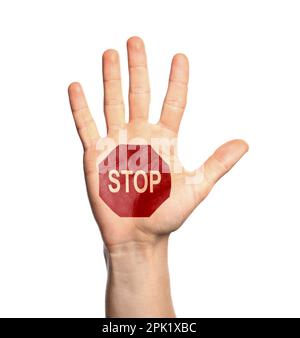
(119, 232)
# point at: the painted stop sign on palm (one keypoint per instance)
(134, 180)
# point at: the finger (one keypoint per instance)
(113, 99)
(217, 165)
(84, 122)
(175, 100)
(139, 87)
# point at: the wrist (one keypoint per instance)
(138, 279)
(133, 257)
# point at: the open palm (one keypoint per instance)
(188, 189)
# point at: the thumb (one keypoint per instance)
(223, 159)
(202, 180)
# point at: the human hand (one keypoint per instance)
(125, 234)
(184, 196)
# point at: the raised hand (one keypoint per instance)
(188, 189)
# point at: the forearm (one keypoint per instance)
(138, 280)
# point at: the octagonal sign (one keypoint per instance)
(134, 180)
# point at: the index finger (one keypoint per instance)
(175, 100)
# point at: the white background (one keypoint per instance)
(238, 254)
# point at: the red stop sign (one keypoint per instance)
(134, 180)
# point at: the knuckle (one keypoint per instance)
(175, 103)
(83, 124)
(178, 83)
(139, 91)
(113, 101)
(141, 66)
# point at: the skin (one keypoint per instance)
(136, 248)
